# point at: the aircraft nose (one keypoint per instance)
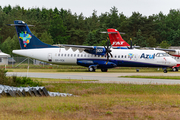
(173, 62)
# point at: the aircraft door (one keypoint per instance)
(135, 57)
(50, 57)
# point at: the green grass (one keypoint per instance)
(61, 80)
(97, 101)
(112, 88)
(154, 77)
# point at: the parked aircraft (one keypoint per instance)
(118, 42)
(93, 57)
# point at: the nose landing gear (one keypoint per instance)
(165, 70)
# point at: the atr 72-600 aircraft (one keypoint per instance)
(93, 57)
(118, 43)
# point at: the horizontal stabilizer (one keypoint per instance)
(112, 32)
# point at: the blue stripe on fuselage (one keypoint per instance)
(120, 63)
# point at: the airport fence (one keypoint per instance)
(24, 60)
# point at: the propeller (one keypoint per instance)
(108, 51)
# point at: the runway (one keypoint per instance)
(102, 77)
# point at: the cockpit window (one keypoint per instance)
(162, 55)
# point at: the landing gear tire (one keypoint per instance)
(104, 70)
(165, 71)
(92, 69)
(175, 69)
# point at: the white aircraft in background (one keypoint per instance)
(118, 43)
(93, 57)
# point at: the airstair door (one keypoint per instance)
(50, 57)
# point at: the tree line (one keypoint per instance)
(60, 26)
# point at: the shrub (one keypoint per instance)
(17, 81)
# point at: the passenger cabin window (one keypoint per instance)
(81, 55)
(61, 54)
(78, 55)
(68, 55)
(125, 56)
(65, 55)
(58, 54)
(122, 56)
(74, 55)
(85, 55)
(118, 56)
(71, 55)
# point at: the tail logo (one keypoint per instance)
(118, 43)
(25, 38)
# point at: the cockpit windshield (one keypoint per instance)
(162, 55)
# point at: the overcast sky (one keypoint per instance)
(145, 7)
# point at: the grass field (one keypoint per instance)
(95, 100)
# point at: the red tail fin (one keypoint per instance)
(116, 39)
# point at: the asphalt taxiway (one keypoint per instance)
(102, 77)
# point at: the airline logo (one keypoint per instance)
(25, 38)
(118, 43)
(147, 56)
(130, 55)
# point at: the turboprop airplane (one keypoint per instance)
(93, 57)
(118, 43)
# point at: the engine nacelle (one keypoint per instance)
(97, 51)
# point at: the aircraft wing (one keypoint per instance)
(78, 47)
(166, 50)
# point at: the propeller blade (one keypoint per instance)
(111, 54)
(107, 59)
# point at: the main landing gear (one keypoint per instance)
(92, 69)
(175, 69)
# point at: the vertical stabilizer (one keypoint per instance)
(26, 39)
(116, 39)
